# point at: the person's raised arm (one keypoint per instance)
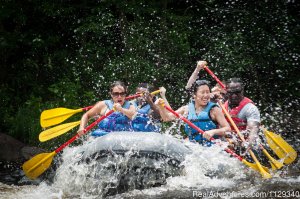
(163, 95)
(193, 77)
(155, 110)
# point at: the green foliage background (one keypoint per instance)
(66, 53)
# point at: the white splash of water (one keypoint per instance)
(204, 168)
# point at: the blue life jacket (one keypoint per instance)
(202, 120)
(142, 122)
(114, 122)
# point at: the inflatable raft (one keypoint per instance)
(132, 160)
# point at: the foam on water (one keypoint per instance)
(205, 168)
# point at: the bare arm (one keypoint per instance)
(218, 116)
(130, 113)
(163, 95)
(149, 99)
(155, 107)
(253, 123)
(253, 128)
(167, 116)
(99, 108)
(193, 77)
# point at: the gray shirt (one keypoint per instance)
(249, 113)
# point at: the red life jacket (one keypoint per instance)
(241, 124)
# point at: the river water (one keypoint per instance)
(208, 172)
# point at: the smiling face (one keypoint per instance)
(235, 94)
(202, 95)
(118, 94)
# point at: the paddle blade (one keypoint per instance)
(55, 116)
(57, 131)
(281, 148)
(37, 165)
(254, 166)
(274, 163)
(265, 174)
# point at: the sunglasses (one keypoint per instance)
(116, 94)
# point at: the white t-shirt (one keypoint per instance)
(249, 113)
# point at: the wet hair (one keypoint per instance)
(199, 83)
(146, 85)
(143, 85)
(235, 80)
(118, 83)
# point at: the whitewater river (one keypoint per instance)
(208, 172)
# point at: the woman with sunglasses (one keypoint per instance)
(200, 111)
(119, 120)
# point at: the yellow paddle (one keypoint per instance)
(254, 166)
(63, 128)
(274, 163)
(281, 148)
(57, 131)
(262, 171)
(37, 165)
(251, 165)
(58, 115)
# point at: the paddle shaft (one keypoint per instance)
(223, 108)
(274, 163)
(84, 131)
(126, 98)
(265, 174)
(200, 130)
(96, 122)
(229, 117)
(87, 108)
(215, 77)
(69, 112)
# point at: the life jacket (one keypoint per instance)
(202, 120)
(142, 121)
(114, 122)
(240, 123)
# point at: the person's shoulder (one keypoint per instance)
(100, 104)
(183, 110)
(212, 104)
(184, 107)
(250, 109)
(215, 109)
(250, 106)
